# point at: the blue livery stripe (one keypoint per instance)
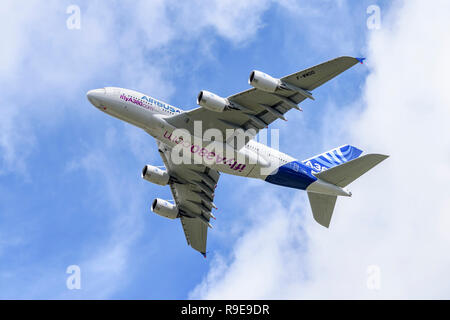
(299, 175)
(332, 158)
(293, 175)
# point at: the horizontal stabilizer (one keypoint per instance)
(322, 206)
(348, 172)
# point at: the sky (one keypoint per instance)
(70, 187)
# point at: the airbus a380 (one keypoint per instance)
(196, 145)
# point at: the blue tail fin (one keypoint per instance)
(332, 158)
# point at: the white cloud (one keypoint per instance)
(398, 217)
(265, 258)
(237, 21)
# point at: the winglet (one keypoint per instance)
(360, 60)
(203, 254)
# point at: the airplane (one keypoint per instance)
(218, 137)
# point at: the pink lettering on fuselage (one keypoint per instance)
(205, 153)
(136, 101)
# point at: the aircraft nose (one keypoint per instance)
(95, 96)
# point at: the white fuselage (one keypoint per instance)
(253, 160)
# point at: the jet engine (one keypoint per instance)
(155, 175)
(263, 81)
(165, 208)
(211, 101)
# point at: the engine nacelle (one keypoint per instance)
(155, 175)
(211, 101)
(263, 81)
(164, 208)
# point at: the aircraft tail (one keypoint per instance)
(332, 158)
(322, 204)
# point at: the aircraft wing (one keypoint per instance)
(260, 108)
(193, 191)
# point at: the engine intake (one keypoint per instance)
(263, 81)
(211, 101)
(165, 208)
(155, 175)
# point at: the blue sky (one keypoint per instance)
(70, 186)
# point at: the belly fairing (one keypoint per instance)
(293, 175)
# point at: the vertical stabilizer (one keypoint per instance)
(322, 206)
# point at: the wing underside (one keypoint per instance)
(192, 188)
